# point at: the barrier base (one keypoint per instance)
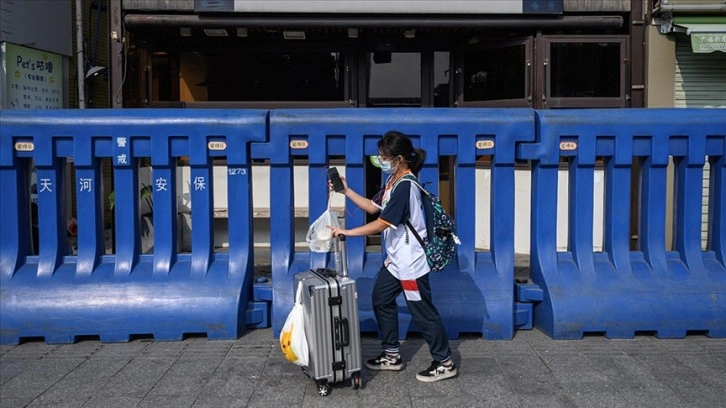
(62, 308)
(621, 305)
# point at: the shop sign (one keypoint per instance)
(34, 78)
(708, 42)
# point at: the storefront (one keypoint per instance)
(508, 53)
(539, 54)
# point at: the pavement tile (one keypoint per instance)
(259, 351)
(122, 350)
(710, 369)
(204, 349)
(137, 378)
(595, 399)
(529, 387)
(65, 403)
(507, 349)
(691, 388)
(623, 370)
(185, 377)
(10, 367)
(487, 390)
(33, 349)
(531, 367)
(456, 401)
(651, 397)
(15, 402)
(714, 346)
(569, 368)
(167, 401)
(112, 402)
(210, 401)
(83, 349)
(659, 363)
(553, 400)
(388, 399)
(477, 366)
(274, 393)
(87, 378)
(234, 379)
(472, 348)
(163, 349)
(589, 387)
(41, 376)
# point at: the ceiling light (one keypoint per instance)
(293, 35)
(216, 32)
(410, 33)
(352, 33)
(185, 31)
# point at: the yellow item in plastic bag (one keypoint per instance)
(293, 341)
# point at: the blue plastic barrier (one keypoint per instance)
(474, 294)
(166, 294)
(619, 291)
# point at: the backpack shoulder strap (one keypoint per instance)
(412, 179)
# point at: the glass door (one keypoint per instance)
(495, 74)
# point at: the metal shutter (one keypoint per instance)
(700, 82)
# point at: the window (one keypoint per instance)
(601, 78)
(282, 76)
(585, 72)
(394, 79)
(497, 73)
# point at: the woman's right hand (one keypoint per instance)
(345, 185)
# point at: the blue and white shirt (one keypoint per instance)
(405, 258)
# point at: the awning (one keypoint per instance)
(708, 34)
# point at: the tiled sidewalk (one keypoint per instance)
(530, 370)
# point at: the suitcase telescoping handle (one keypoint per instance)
(341, 256)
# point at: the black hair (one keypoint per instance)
(394, 144)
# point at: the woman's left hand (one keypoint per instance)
(338, 231)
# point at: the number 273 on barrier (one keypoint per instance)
(237, 171)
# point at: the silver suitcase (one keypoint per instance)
(330, 300)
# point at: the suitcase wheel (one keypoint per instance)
(356, 381)
(323, 389)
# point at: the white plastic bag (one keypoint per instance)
(320, 237)
(293, 341)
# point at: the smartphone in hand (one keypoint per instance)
(334, 178)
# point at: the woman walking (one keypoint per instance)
(405, 268)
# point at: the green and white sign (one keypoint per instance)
(708, 42)
(708, 33)
(34, 79)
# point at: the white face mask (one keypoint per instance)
(387, 166)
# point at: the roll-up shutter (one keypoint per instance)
(700, 83)
(700, 78)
